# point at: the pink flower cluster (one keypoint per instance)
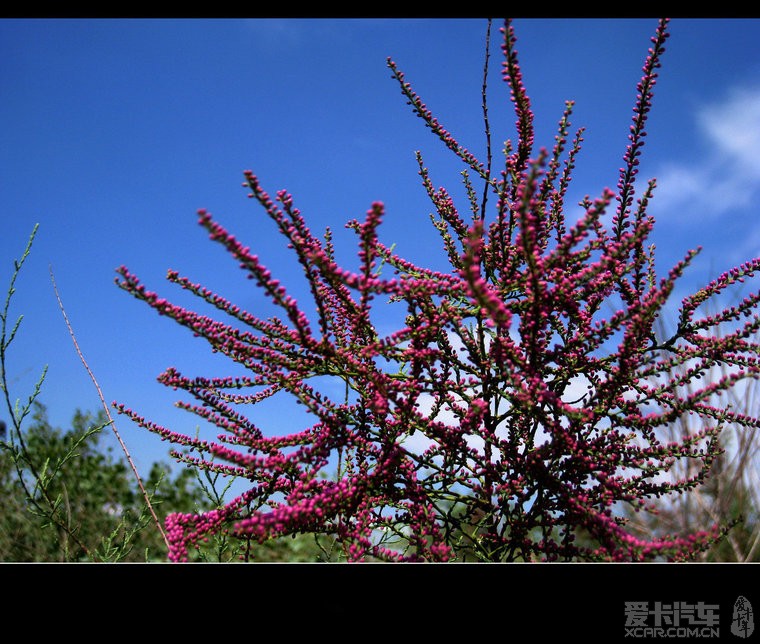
(513, 414)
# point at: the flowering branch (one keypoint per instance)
(511, 417)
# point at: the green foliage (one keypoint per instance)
(98, 512)
(71, 495)
(82, 503)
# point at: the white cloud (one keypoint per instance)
(575, 393)
(733, 127)
(727, 177)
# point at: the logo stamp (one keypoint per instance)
(742, 620)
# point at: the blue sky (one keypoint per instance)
(114, 132)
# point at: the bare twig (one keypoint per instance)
(108, 413)
(486, 123)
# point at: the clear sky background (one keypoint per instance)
(113, 133)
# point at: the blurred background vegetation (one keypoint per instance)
(72, 497)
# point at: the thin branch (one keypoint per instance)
(486, 122)
(108, 414)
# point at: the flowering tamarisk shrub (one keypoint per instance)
(463, 434)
